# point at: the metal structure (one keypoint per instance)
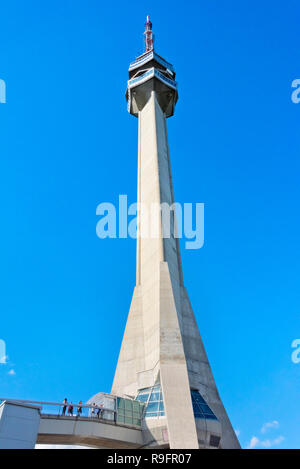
(149, 36)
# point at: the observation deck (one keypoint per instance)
(151, 72)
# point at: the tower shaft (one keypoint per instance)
(152, 348)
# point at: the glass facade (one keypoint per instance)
(201, 409)
(129, 412)
(153, 400)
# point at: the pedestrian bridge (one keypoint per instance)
(99, 425)
(97, 433)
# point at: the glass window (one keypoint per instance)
(152, 407)
(153, 399)
(200, 407)
(155, 396)
(205, 409)
(143, 397)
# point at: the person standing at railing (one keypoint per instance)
(70, 410)
(93, 410)
(65, 402)
(79, 409)
(99, 413)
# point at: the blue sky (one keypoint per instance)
(68, 143)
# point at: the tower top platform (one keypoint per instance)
(151, 72)
(147, 57)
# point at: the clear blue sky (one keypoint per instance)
(68, 143)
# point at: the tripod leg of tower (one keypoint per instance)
(173, 371)
(200, 374)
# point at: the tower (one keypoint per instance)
(162, 361)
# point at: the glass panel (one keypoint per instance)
(205, 409)
(143, 397)
(210, 417)
(128, 405)
(197, 397)
(154, 396)
(152, 407)
(120, 403)
(201, 409)
(137, 422)
(135, 406)
(154, 403)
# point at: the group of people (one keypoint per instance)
(99, 411)
(70, 408)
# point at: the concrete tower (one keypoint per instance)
(162, 361)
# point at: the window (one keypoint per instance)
(200, 407)
(154, 405)
(129, 412)
(214, 441)
(153, 399)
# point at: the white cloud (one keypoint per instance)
(269, 425)
(270, 443)
(3, 359)
(254, 442)
(237, 432)
(11, 373)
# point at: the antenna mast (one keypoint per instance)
(149, 36)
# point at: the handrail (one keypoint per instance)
(111, 411)
(60, 404)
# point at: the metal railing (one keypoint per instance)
(138, 62)
(149, 74)
(102, 407)
(69, 409)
